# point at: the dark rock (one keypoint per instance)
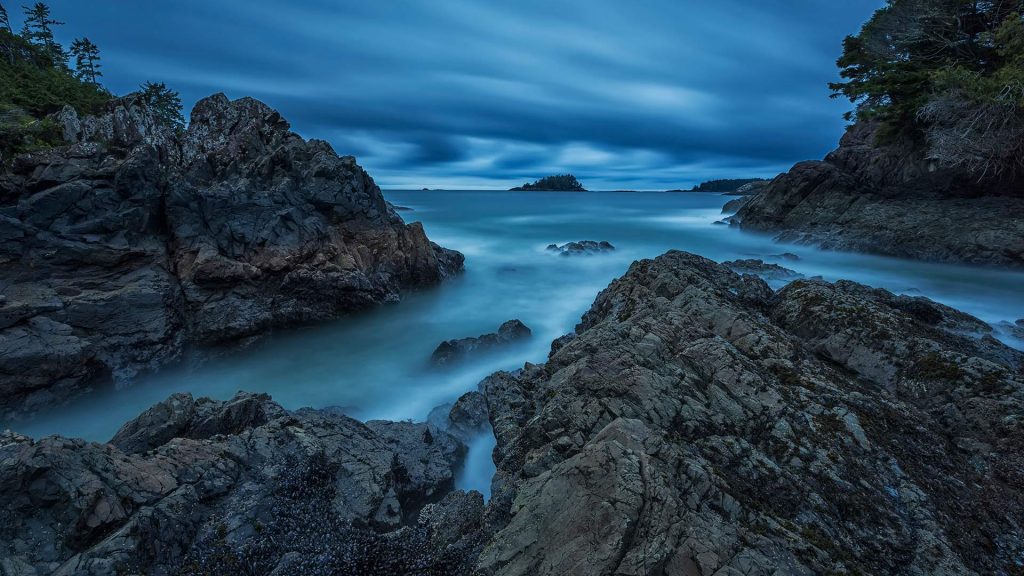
(451, 351)
(466, 419)
(241, 491)
(824, 428)
(697, 423)
(134, 243)
(768, 271)
(786, 256)
(732, 206)
(581, 248)
(889, 199)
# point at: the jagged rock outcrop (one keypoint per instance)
(452, 351)
(889, 199)
(700, 423)
(242, 482)
(136, 242)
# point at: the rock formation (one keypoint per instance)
(451, 351)
(203, 487)
(889, 199)
(582, 248)
(135, 242)
(696, 422)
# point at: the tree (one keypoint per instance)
(5, 20)
(947, 73)
(164, 103)
(38, 30)
(87, 60)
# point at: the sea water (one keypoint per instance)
(375, 364)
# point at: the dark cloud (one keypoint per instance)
(651, 94)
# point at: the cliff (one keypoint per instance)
(134, 243)
(890, 199)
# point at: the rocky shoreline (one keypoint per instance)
(136, 243)
(696, 422)
(892, 200)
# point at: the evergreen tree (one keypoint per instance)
(87, 60)
(948, 73)
(164, 102)
(38, 30)
(5, 20)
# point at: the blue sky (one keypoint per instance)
(643, 95)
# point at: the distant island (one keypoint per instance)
(562, 183)
(724, 185)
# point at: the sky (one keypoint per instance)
(646, 95)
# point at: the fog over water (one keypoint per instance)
(375, 364)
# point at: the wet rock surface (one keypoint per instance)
(452, 351)
(136, 243)
(890, 200)
(581, 248)
(696, 422)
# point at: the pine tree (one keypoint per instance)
(87, 60)
(38, 30)
(164, 102)
(5, 21)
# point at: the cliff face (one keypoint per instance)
(697, 422)
(891, 200)
(135, 242)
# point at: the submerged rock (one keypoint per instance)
(583, 247)
(451, 351)
(134, 243)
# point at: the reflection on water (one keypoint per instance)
(374, 364)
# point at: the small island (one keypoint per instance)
(561, 183)
(725, 185)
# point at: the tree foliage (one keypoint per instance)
(33, 85)
(164, 103)
(948, 72)
(87, 60)
(561, 183)
(38, 30)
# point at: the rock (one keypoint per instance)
(768, 271)
(786, 256)
(134, 243)
(451, 351)
(697, 422)
(581, 248)
(273, 491)
(732, 206)
(889, 199)
(468, 417)
(702, 425)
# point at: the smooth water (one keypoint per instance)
(375, 364)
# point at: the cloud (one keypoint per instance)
(655, 94)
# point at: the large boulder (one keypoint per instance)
(135, 242)
(889, 199)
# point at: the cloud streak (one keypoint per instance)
(650, 95)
